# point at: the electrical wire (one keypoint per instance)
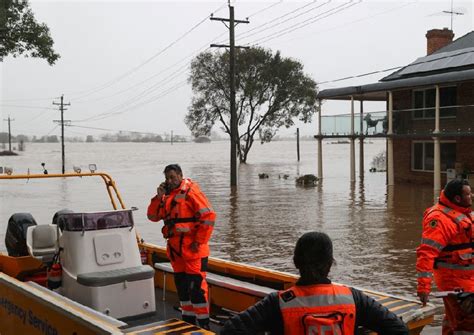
(137, 97)
(126, 74)
(246, 35)
(393, 68)
(305, 23)
(352, 22)
(265, 9)
(26, 107)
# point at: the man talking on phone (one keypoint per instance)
(188, 223)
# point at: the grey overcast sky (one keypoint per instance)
(124, 64)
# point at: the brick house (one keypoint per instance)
(430, 112)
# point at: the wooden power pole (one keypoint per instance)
(62, 121)
(9, 133)
(233, 114)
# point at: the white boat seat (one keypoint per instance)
(41, 241)
(226, 282)
(110, 277)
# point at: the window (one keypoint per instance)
(424, 102)
(423, 156)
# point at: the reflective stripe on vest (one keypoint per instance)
(208, 222)
(204, 210)
(424, 274)
(318, 301)
(309, 308)
(462, 243)
(445, 265)
(432, 243)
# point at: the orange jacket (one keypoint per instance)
(318, 309)
(446, 248)
(188, 218)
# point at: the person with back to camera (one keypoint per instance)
(188, 224)
(446, 251)
(315, 305)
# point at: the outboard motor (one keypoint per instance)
(56, 217)
(15, 238)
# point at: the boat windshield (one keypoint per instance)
(95, 221)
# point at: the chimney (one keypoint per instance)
(437, 38)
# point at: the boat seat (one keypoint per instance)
(225, 282)
(41, 241)
(110, 277)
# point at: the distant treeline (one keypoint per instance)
(127, 137)
(119, 137)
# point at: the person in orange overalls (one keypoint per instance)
(446, 253)
(188, 223)
(315, 305)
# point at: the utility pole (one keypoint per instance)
(62, 121)
(233, 114)
(9, 133)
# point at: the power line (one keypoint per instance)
(246, 35)
(346, 24)
(306, 22)
(394, 68)
(26, 107)
(136, 97)
(265, 9)
(152, 99)
(31, 99)
(116, 80)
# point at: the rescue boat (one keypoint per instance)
(91, 273)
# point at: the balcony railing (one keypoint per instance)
(454, 121)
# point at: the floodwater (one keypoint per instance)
(375, 230)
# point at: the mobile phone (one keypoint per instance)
(167, 188)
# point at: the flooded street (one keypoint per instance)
(375, 232)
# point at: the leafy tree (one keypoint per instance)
(271, 92)
(21, 34)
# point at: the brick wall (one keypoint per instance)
(464, 121)
(438, 38)
(402, 151)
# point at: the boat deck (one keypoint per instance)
(167, 310)
(409, 310)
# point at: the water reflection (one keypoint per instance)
(375, 229)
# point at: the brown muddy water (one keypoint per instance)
(375, 230)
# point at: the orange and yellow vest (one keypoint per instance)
(318, 309)
(188, 217)
(446, 248)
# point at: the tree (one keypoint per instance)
(271, 92)
(20, 33)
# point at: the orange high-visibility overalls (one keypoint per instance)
(188, 217)
(446, 252)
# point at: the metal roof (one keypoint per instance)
(452, 63)
(377, 91)
(443, 61)
(459, 53)
(462, 42)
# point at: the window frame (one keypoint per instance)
(424, 108)
(412, 156)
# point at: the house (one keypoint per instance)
(430, 112)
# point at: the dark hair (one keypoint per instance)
(173, 167)
(313, 255)
(454, 187)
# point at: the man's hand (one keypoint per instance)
(160, 191)
(194, 247)
(423, 297)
